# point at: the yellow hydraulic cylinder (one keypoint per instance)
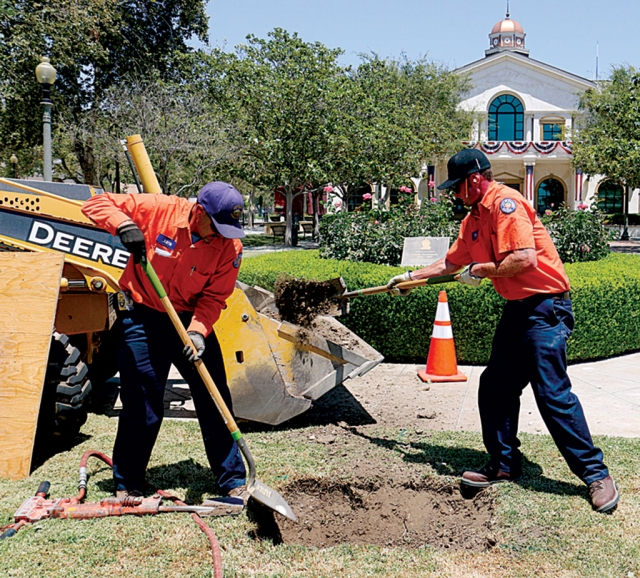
(142, 163)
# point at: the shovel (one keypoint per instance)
(333, 297)
(401, 286)
(257, 490)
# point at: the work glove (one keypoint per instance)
(198, 343)
(391, 285)
(466, 278)
(133, 240)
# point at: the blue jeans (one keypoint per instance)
(150, 344)
(529, 346)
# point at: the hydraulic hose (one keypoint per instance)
(43, 490)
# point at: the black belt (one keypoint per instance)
(542, 296)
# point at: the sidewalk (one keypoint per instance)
(609, 391)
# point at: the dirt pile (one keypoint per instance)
(300, 301)
(389, 514)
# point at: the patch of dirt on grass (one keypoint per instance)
(391, 514)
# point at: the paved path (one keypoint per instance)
(609, 391)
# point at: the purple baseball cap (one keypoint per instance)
(224, 205)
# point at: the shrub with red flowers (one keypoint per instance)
(579, 235)
(377, 236)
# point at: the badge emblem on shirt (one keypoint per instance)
(474, 235)
(165, 245)
(237, 261)
(507, 206)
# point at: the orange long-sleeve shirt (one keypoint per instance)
(197, 277)
(501, 222)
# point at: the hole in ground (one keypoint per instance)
(406, 515)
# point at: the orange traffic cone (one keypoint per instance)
(441, 361)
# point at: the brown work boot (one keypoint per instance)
(487, 476)
(604, 494)
(122, 494)
(240, 492)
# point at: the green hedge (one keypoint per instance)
(606, 295)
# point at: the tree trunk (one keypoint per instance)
(315, 197)
(86, 159)
(625, 232)
(251, 206)
(288, 211)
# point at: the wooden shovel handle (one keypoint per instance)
(200, 366)
(403, 285)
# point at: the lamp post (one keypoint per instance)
(13, 159)
(46, 75)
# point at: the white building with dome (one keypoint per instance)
(525, 112)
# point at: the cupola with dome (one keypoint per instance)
(506, 35)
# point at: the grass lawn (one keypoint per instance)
(543, 526)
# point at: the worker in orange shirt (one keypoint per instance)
(195, 249)
(503, 239)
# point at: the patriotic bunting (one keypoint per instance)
(545, 147)
(518, 147)
(491, 147)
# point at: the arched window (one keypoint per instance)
(550, 195)
(506, 118)
(610, 197)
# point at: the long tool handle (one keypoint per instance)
(403, 285)
(257, 490)
(200, 366)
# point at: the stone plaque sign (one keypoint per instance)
(422, 251)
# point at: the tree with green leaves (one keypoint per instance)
(93, 44)
(307, 121)
(608, 137)
(283, 89)
(397, 117)
(187, 136)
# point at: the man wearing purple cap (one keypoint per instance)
(196, 251)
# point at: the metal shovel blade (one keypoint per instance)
(270, 498)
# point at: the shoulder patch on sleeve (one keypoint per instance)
(507, 206)
(237, 261)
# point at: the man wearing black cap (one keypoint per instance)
(195, 249)
(503, 239)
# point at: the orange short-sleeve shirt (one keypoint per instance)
(501, 222)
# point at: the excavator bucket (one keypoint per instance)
(29, 287)
(277, 369)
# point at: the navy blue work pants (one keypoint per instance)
(150, 344)
(529, 346)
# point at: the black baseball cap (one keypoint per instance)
(463, 164)
(224, 205)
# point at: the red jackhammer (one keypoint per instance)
(39, 508)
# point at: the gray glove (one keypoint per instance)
(467, 278)
(198, 343)
(391, 285)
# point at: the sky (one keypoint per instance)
(567, 34)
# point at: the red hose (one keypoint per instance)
(215, 547)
